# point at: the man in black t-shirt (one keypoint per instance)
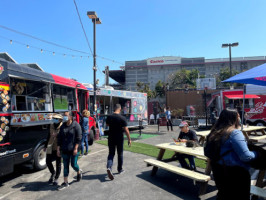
(184, 136)
(117, 126)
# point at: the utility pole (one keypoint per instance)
(107, 75)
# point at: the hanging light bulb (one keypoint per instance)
(11, 41)
(28, 46)
(41, 50)
(53, 53)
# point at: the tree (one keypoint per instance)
(160, 88)
(184, 79)
(141, 87)
(225, 74)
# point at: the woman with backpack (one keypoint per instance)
(228, 151)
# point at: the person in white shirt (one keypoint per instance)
(151, 118)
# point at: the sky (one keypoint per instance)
(130, 30)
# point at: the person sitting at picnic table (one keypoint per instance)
(230, 164)
(186, 135)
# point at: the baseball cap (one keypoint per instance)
(183, 123)
(57, 116)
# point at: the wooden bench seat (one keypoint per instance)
(254, 190)
(257, 138)
(178, 170)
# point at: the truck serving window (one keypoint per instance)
(30, 95)
(64, 98)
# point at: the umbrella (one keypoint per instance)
(255, 76)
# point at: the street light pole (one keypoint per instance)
(95, 20)
(94, 64)
(235, 44)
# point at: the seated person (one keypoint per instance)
(185, 135)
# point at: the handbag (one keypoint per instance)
(260, 161)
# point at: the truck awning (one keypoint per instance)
(240, 96)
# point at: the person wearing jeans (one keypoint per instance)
(186, 135)
(85, 131)
(168, 118)
(117, 126)
(113, 144)
(68, 141)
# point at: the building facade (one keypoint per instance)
(151, 70)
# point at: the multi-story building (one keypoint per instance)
(151, 70)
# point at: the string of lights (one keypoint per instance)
(54, 44)
(42, 50)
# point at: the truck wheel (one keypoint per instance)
(260, 123)
(39, 158)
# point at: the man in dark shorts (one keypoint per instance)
(117, 126)
(186, 135)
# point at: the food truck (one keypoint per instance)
(28, 99)
(255, 104)
(134, 106)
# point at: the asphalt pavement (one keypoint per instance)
(135, 183)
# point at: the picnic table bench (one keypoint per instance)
(257, 191)
(197, 176)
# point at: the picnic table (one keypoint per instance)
(247, 131)
(202, 178)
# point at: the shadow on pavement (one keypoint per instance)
(35, 186)
(180, 186)
(100, 177)
(19, 170)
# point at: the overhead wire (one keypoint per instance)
(85, 33)
(45, 41)
(41, 49)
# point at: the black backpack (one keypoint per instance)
(260, 161)
(212, 150)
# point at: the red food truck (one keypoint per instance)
(28, 99)
(255, 104)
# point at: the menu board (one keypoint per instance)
(30, 118)
(4, 101)
(4, 109)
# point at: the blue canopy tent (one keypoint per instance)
(255, 76)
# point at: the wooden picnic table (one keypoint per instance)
(247, 131)
(203, 178)
(198, 152)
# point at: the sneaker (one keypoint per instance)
(55, 182)
(80, 155)
(51, 180)
(79, 176)
(121, 171)
(86, 153)
(63, 186)
(110, 174)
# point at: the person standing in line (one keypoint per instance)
(231, 168)
(68, 141)
(85, 131)
(117, 126)
(168, 118)
(51, 147)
